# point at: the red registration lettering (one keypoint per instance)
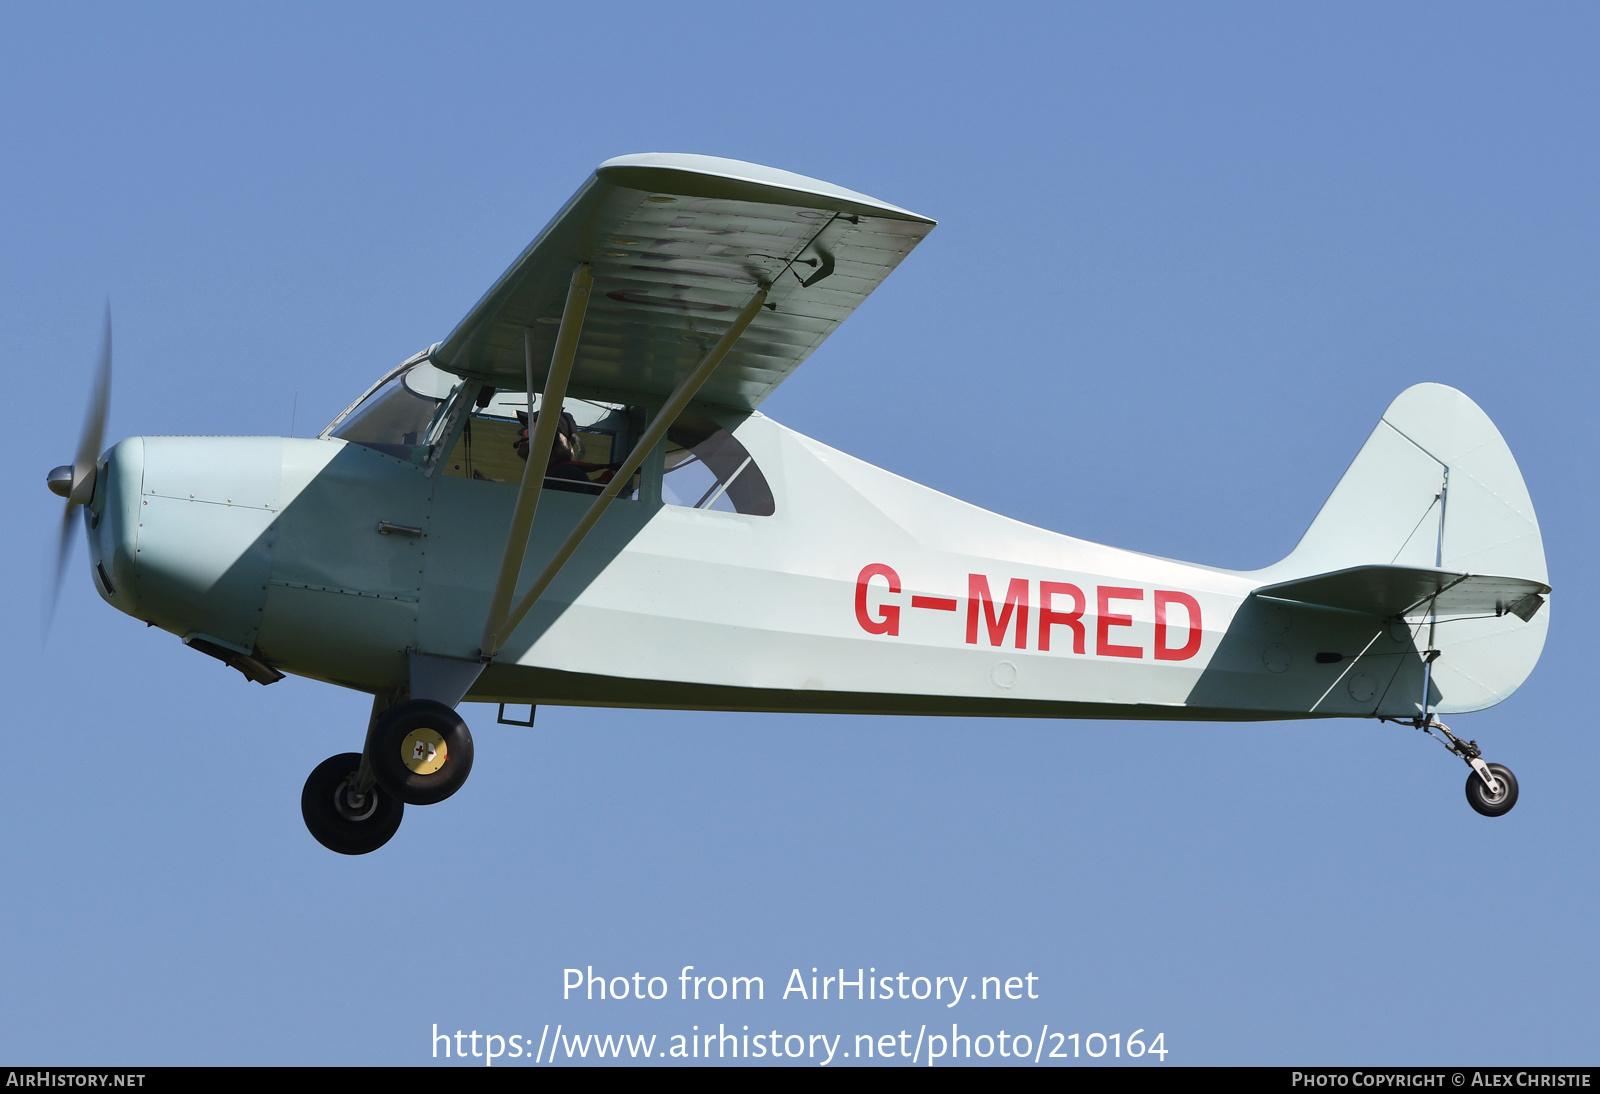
(889, 621)
(1106, 620)
(1191, 645)
(1016, 598)
(1049, 618)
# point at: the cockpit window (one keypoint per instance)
(419, 409)
(591, 444)
(707, 468)
(400, 417)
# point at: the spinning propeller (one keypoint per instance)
(75, 481)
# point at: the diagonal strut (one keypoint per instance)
(539, 446)
(658, 427)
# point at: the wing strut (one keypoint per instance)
(652, 436)
(539, 446)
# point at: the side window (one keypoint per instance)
(491, 446)
(707, 468)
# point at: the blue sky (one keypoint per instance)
(1186, 256)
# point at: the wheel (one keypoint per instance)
(421, 752)
(1493, 805)
(341, 820)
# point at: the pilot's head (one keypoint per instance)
(564, 448)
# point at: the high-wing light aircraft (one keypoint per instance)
(658, 542)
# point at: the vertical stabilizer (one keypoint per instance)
(1435, 486)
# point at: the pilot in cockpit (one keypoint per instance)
(564, 471)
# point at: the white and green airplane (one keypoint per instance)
(661, 543)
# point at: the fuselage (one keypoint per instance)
(859, 592)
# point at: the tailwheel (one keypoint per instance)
(421, 752)
(1493, 801)
(1491, 788)
(340, 816)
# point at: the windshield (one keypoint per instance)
(399, 417)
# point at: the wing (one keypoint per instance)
(1413, 593)
(678, 245)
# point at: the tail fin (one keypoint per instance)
(1436, 487)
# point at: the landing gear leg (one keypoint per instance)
(1491, 788)
(344, 808)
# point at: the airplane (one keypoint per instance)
(658, 542)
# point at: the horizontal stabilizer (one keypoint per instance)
(1412, 592)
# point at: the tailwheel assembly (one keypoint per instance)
(341, 814)
(1491, 788)
(421, 751)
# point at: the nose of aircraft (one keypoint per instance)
(111, 521)
(183, 528)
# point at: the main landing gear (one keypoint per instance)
(417, 753)
(342, 815)
(1491, 788)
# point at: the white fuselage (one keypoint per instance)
(862, 592)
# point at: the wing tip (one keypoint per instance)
(692, 175)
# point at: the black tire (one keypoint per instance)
(1492, 805)
(340, 821)
(407, 745)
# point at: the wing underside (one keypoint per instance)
(677, 246)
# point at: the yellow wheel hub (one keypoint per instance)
(423, 751)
